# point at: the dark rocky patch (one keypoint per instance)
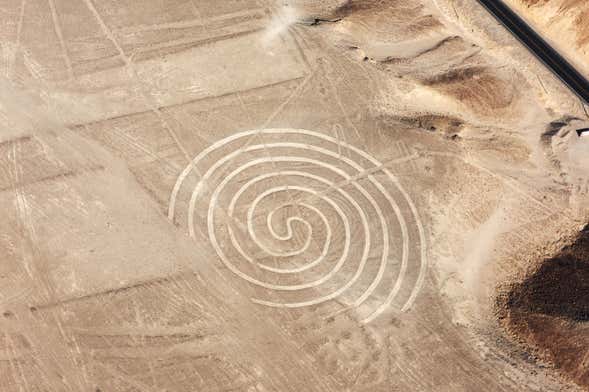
(554, 127)
(549, 310)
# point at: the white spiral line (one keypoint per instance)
(335, 206)
(325, 278)
(341, 261)
(252, 230)
(321, 195)
(289, 234)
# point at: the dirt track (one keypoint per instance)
(246, 195)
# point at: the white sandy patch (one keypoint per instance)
(285, 17)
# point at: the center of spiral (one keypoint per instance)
(305, 218)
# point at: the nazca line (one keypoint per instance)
(340, 263)
(346, 160)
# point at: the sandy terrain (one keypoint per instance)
(563, 22)
(252, 195)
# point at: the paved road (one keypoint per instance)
(539, 47)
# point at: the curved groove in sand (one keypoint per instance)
(293, 156)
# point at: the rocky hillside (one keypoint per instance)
(564, 22)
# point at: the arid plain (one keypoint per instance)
(256, 195)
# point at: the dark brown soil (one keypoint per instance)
(550, 309)
(477, 86)
(560, 287)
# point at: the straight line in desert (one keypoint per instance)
(192, 101)
(21, 18)
(59, 33)
(193, 43)
(128, 62)
(19, 139)
(63, 175)
(198, 22)
(106, 293)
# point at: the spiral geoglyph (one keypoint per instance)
(305, 219)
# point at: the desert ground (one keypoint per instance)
(261, 195)
(563, 22)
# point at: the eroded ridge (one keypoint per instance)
(305, 219)
(549, 310)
